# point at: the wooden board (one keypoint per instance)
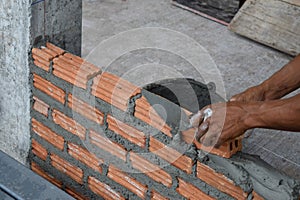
(275, 23)
(217, 10)
(175, 3)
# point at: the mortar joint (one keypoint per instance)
(50, 67)
(132, 104)
(105, 169)
(148, 194)
(194, 169)
(147, 142)
(65, 147)
(128, 157)
(48, 158)
(89, 86)
(105, 122)
(85, 178)
(175, 182)
(50, 111)
(67, 92)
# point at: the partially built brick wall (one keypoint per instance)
(96, 136)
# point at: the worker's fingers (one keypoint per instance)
(196, 119)
(203, 128)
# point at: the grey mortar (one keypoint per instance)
(247, 171)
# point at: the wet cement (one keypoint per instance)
(249, 172)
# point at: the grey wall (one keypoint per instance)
(14, 72)
(57, 21)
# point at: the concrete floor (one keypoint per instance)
(239, 62)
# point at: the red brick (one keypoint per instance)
(171, 155)
(219, 181)
(38, 150)
(45, 56)
(41, 65)
(84, 156)
(150, 169)
(64, 74)
(107, 145)
(54, 48)
(85, 109)
(146, 113)
(156, 196)
(67, 76)
(42, 173)
(81, 67)
(113, 79)
(40, 106)
(49, 88)
(39, 62)
(103, 189)
(191, 192)
(130, 133)
(73, 72)
(107, 97)
(75, 194)
(47, 134)
(226, 150)
(128, 182)
(65, 167)
(81, 61)
(114, 90)
(49, 51)
(68, 124)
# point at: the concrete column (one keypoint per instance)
(24, 24)
(14, 73)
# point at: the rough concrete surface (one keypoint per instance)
(57, 21)
(24, 24)
(241, 62)
(14, 73)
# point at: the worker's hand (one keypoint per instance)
(256, 93)
(228, 121)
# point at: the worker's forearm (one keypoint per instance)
(277, 114)
(284, 81)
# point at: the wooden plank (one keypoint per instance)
(200, 13)
(275, 23)
(223, 10)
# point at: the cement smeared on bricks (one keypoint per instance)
(168, 154)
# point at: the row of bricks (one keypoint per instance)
(117, 92)
(149, 116)
(37, 169)
(185, 189)
(108, 87)
(93, 162)
(71, 68)
(178, 160)
(126, 131)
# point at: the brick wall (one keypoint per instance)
(96, 135)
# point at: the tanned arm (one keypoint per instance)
(232, 119)
(250, 110)
(278, 85)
